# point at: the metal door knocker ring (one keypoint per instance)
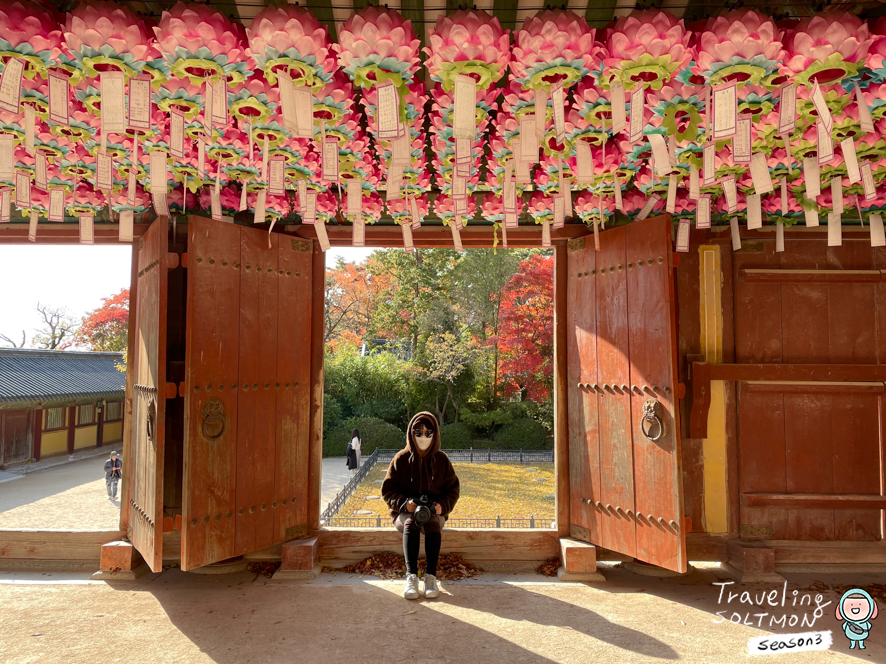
(151, 420)
(213, 418)
(651, 408)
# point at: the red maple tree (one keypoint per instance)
(526, 336)
(107, 328)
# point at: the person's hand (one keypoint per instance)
(439, 508)
(411, 505)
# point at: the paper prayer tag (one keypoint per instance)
(5, 205)
(40, 173)
(113, 116)
(878, 236)
(824, 113)
(779, 238)
(703, 212)
(11, 85)
(59, 99)
(387, 111)
(541, 113)
(528, 139)
(139, 110)
(867, 180)
(464, 114)
(660, 154)
(277, 176)
(741, 142)
(755, 213)
(760, 174)
(729, 190)
(683, 236)
(584, 164)
(104, 178)
(7, 157)
(57, 205)
(811, 173)
(725, 107)
(850, 158)
(32, 226)
(559, 212)
(835, 229)
(708, 167)
(671, 205)
(693, 183)
(177, 134)
(735, 233)
(837, 194)
(558, 98)
(355, 196)
(619, 115)
(787, 109)
(825, 144)
(30, 129)
(811, 216)
(87, 235)
(647, 208)
(638, 103)
(22, 191)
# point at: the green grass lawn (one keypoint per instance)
(487, 490)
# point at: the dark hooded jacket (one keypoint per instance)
(410, 474)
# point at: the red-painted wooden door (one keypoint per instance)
(625, 474)
(247, 385)
(143, 461)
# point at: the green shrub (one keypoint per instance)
(522, 433)
(373, 432)
(367, 386)
(456, 436)
(384, 408)
(332, 412)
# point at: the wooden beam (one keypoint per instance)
(318, 325)
(813, 276)
(33, 544)
(814, 501)
(441, 236)
(561, 415)
(703, 373)
(65, 233)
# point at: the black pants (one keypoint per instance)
(412, 542)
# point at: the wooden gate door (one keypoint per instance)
(144, 457)
(247, 388)
(625, 474)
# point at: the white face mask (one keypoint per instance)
(423, 443)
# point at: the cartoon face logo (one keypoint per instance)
(856, 609)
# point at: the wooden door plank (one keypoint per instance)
(145, 495)
(852, 316)
(804, 306)
(809, 462)
(618, 531)
(266, 394)
(248, 421)
(210, 467)
(762, 460)
(855, 437)
(758, 335)
(293, 396)
(584, 434)
(658, 479)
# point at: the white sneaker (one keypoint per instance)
(432, 590)
(411, 589)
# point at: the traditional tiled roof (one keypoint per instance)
(30, 378)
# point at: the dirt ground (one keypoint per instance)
(239, 618)
(71, 496)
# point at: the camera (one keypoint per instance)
(424, 510)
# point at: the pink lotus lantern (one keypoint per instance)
(554, 46)
(290, 39)
(742, 46)
(646, 47)
(198, 42)
(826, 48)
(30, 32)
(471, 43)
(107, 36)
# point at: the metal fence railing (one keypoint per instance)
(498, 522)
(338, 502)
(487, 455)
(470, 455)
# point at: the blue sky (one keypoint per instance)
(72, 276)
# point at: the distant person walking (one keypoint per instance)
(113, 473)
(353, 460)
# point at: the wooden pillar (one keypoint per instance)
(72, 422)
(100, 424)
(561, 419)
(37, 438)
(127, 399)
(315, 453)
